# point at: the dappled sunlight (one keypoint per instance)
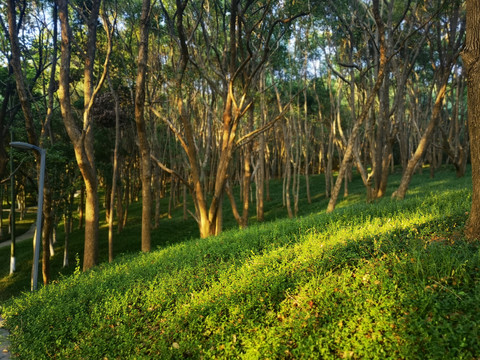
(355, 276)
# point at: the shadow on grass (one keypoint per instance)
(362, 282)
(176, 230)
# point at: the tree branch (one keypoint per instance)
(250, 136)
(170, 171)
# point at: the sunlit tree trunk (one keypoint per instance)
(351, 141)
(82, 138)
(424, 141)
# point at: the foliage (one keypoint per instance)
(388, 280)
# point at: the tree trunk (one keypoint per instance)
(31, 133)
(184, 199)
(115, 170)
(157, 192)
(143, 145)
(82, 139)
(351, 141)
(171, 199)
(81, 207)
(46, 231)
(67, 222)
(260, 176)
(288, 169)
(471, 58)
(380, 168)
(247, 175)
(119, 196)
(424, 141)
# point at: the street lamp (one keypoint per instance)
(12, 215)
(38, 233)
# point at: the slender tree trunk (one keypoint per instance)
(81, 207)
(119, 196)
(66, 222)
(356, 127)
(471, 58)
(31, 133)
(382, 137)
(115, 170)
(424, 141)
(260, 176)
(171, 199)
(7, 95)
(82, 139)
(307, 152)
(288, 170)
(143, 145)
(184, 198)
(247, 175)
(157, 191)
(261, 173)
(46, 232)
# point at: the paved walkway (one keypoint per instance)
(4, 353)
(25, 236)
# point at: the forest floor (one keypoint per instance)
(388, 280)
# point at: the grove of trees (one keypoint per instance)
(211, 99)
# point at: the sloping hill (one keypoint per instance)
(385, 280)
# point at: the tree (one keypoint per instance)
(347, 157)
(233, 43)
(82, 137)
(447, 61)
(471, 58)
(25, 103)
(143, 145)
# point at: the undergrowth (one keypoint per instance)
(390, 280)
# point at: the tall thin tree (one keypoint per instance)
(82, 137)
(143, 145)
(471, 57)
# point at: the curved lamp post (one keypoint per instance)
(38, 232)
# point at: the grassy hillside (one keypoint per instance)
(384, 280)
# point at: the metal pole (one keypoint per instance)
(12, 213)
(38, 234)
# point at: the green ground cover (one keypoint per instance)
(376, 281)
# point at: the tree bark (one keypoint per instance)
(351, 141)
(143, 145)
(260, 177)
(247, 176)
(471, 58)
(115, 170)
(399, 194)
(82, 139)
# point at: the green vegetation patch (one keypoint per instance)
(389, 280)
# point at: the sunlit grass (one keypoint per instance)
(385, 280)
